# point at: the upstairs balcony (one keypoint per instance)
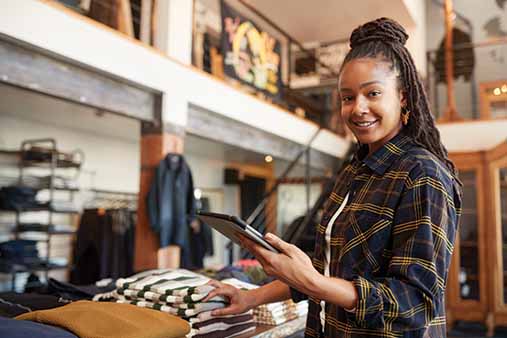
(299, 78)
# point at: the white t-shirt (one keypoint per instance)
(328, 254)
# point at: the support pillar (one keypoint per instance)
(174, 21)
(156, 143)
(451, 112)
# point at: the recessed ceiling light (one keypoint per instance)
(268, 158)
(504, 88)
(497, 91)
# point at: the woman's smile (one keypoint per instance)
(365, 125)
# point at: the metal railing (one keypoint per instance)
(264, 212)
(134, 18)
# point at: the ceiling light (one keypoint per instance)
(497, 91)
(268, 158)
(504, 88)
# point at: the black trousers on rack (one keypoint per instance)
(104, 246)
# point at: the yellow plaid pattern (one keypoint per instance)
(393, 240)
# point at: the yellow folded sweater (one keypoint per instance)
(111, 320)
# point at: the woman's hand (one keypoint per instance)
(240, 300)
(292, 266)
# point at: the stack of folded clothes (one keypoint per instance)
(273, 313)
(180, 292)
(280, 312)
(177, 292)
(205, 325)
(19, 253)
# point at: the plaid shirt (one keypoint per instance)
(393, 240)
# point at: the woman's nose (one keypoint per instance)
(360, 106)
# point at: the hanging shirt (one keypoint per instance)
(394, 242)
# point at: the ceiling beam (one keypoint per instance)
(34, 69)
(207, 124)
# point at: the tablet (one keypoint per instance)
(230, 226)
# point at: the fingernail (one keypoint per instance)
(269, 235)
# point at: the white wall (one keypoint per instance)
(70, 35)
(207, 162)
(110, 143)
(416, 43)
(174, 30)
(473, 136)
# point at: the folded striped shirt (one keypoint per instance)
(175, 282)
(221, 326)
(281, 315)
(232, 320)
(182, 312)
(163, 298)
(275, 320)
(205, 316)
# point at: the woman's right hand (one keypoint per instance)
(240, 301)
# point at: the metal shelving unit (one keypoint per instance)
(44, 155)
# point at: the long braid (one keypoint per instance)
(385, 38)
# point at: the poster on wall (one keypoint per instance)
(251, 55)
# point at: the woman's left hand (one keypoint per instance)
(292, 266)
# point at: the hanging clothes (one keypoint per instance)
(104, 246)
(171, 205)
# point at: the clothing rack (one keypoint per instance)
(111, 199)
(107, 227)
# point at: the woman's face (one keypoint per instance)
(371, 101)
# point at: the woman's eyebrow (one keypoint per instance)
(366, 84)
(362, 85)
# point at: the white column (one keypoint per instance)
(416, 43)
(174, 29)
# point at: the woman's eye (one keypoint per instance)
(346, 98)
(375, 93)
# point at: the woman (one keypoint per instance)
(384, 244)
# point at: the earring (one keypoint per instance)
(405, 115)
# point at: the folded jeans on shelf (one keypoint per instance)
(18, 198)
(44, 227)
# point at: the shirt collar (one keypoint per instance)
(382, 159)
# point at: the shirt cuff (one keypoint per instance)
(368, 311)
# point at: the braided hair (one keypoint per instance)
(385, 39)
